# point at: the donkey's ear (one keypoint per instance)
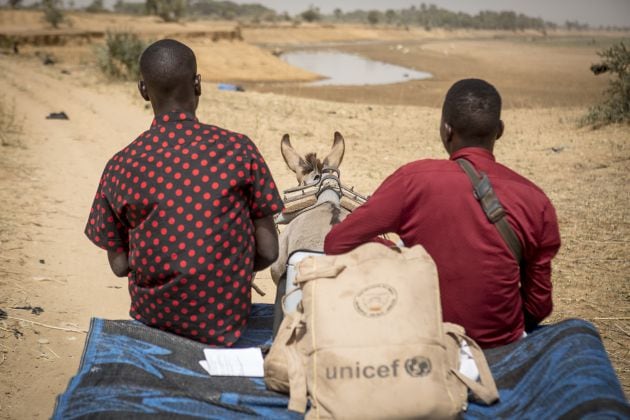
(291, 157)
(334, 158)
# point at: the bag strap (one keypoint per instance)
(326, 266)
(486, 389)
(295, 369)
(312, 268)
(484, 193)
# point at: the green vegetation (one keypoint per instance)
(312, 14)
(229, 10)
(52, 12)
(373, 17)
(119, 57)
(431, 16)
(168, 10)
(129, 8)
(174, 10)
(96, 6)
(426, 16)
(616, 106)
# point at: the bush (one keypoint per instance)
(96, 6)
(230, 11)
(168, 10)
(616, 106)
(52, 12)
(373, 17)
(311, 15)
(129, 8)
(119, 58)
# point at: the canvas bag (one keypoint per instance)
(368, 340)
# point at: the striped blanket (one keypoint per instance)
(131, 371)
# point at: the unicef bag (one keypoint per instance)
(368, 340)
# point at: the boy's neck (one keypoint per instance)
(169, 106)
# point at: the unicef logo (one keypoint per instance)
(418, 366)
(375, 300)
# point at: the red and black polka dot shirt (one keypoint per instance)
(180, 200)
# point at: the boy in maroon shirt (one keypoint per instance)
(431, 203)
(186, 210)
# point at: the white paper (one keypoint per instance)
(233, 362)
(467, 364)
(205, 366)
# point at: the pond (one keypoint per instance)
(349, 69)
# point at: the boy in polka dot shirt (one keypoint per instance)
(186, 210)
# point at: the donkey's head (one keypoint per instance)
(308, 169)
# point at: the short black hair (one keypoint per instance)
(167, 65)
(472, 108)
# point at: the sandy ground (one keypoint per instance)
(48, 176)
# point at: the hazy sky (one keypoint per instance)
(593, 12)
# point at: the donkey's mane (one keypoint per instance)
(311, 163)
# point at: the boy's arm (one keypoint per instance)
(379, 215)
(105, 228)
(119, 263)
(264, 202)
(266, 242)
(536, 287)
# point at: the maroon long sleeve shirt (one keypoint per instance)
(430, 202)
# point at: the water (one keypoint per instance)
(349, 69)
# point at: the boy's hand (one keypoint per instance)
(266, 242)
(119, 263)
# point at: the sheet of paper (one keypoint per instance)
(205, 366)
(234, 362)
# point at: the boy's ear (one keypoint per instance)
(142, 88)
(500, 130)
(446, 132)
(197, 83)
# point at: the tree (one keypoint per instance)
(311, 15)
(390, 16)
(373, 17)
(338, 13)
(95, 7)
(131, 8)
(168, 10)
(616, 105)
(15, 3)
(52, 12)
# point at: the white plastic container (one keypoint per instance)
(293, 295)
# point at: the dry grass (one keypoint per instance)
(10, 124)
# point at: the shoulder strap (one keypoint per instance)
(484, 193)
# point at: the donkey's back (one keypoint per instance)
(306, 233)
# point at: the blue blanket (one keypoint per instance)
(131, 371)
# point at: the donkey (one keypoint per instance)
(307, 230)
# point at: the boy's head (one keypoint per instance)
(169, 76)
(471, 115)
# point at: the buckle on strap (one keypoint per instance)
(484, 193)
